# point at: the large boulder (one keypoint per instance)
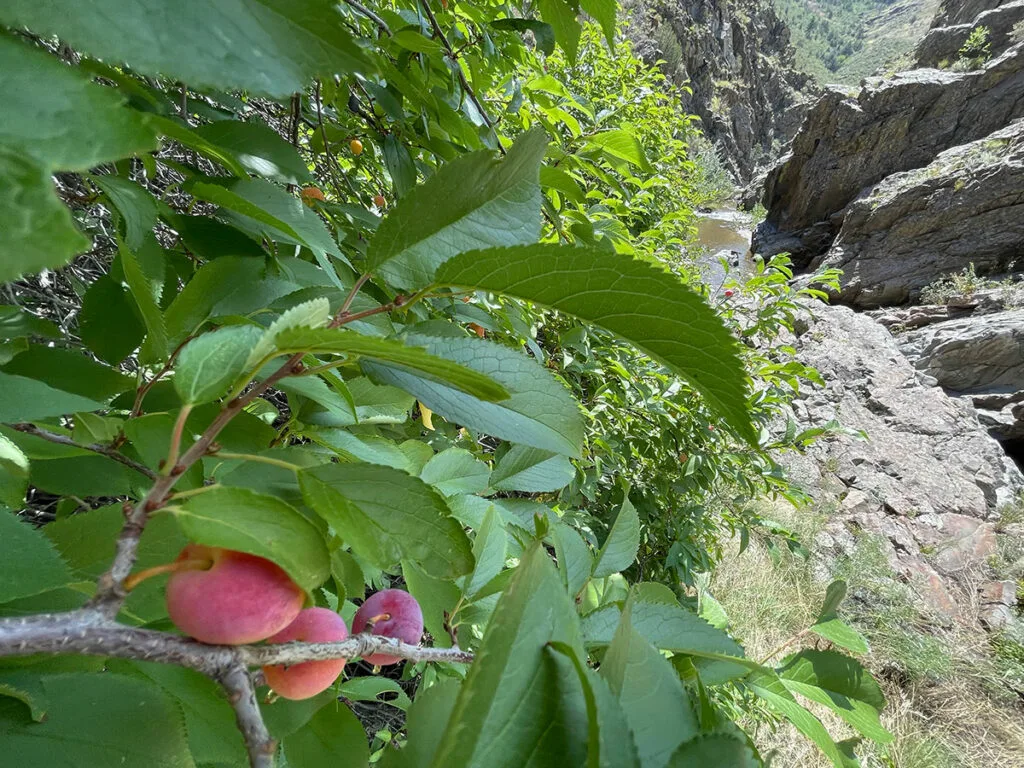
(849, 143)
(964, 208)
(944, 43)
(928, 478)
(953, 12)
(979, 358)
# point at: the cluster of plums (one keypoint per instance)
(223, 597)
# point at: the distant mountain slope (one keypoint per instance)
(841, 41)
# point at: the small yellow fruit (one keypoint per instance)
(356, 146)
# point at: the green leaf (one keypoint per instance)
(455, 471)
(208, 365)
(610, 744)
(387, 516)
(489, 549)
(556, 178)
(400, 165)
(532, 470)
(574, 559)
(70, 371)
(411, 39)
(619, 550)
(258, 149)
(16, 323)
(265, 526)
(603, 12)
(834, 594)
(87, 725)
(263, 209)
(561, 15)
(142, 291)
(40, 97)
(667, 626)
(651, 695)
(108, 322)
(213, 736)
(136, 206)
(426, 725)
(26, 399)
(721, 750)
(507, 710)
(13, 474)
(436, 597)
(30, 564)
(539, 412)
(644, 305)
(368, 448)
(767, 686)
(622, 145)
(315, 313)
(409, 355)
(841, 684)
(36, 230)
(475, 201)
(842, 634)
(371, 688)
(333, 734)
(542, 33)
(268, 47)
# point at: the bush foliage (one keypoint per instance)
(394, 295)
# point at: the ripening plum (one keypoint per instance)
(391, 613)
(356, 146)
(223, 597)
(301, 681)
(310, 195)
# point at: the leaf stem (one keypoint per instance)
(171, 465)
(258, 458)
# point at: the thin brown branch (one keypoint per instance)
(53, 437)
(88, 632)
(343, 314)
(242, 696)
(362, 9)
(171, 463)
(466, 87)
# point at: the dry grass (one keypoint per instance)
(947, 708)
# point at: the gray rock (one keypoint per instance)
(851, 142)
(927, 481)
(981, 354)
(944, 43)
(953, 12)
(965, 207)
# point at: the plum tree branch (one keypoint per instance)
(90, 632)
(111, 453)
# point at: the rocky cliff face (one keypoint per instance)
(736, 57)
(906, 180)
(927, 482)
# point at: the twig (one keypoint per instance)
(343, 310)
(360, 8)
(53, 437)
(296, 109)
(242, 696)
(88, 632)
(466, 87)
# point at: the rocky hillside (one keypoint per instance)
(842, 41)
(913, 185)
(736, 57)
